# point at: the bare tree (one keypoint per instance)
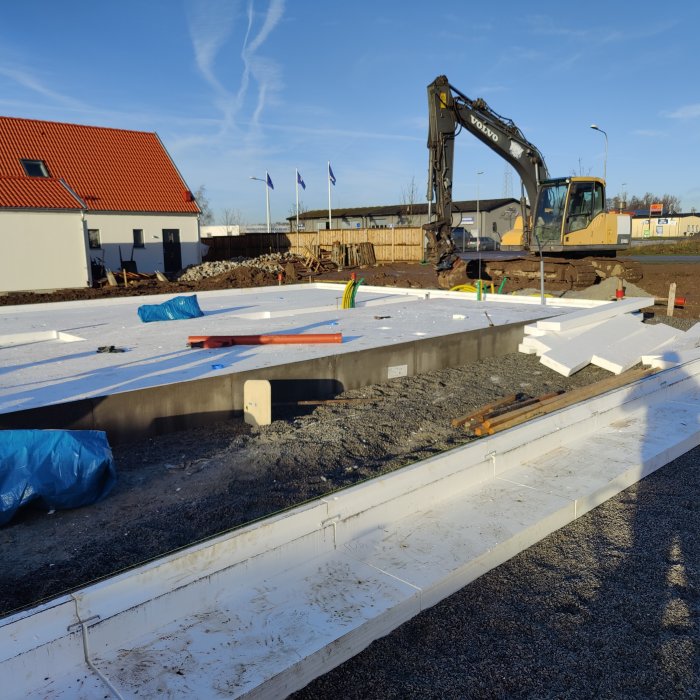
(293, 214)
(580, 172)
(207, 216)
(230, 218)
(409, 199)
(671, 203)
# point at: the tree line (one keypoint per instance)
(671, 203)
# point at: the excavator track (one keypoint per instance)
(628, 270)
(572, 274)
(558, 272)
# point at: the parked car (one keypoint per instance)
(466, 240)
(481, 243)
(461, 237)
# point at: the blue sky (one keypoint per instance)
(235, 89)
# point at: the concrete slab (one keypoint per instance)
(49, 351)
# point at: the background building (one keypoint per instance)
(495, 217)
(672, 226)
(77, 199)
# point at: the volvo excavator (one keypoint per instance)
(566, 229)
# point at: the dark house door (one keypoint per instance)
(172, 256)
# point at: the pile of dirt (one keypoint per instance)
(237, 278)
(263, 272)
(272, 263)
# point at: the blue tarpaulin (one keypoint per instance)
(171, 310)
(59, 468)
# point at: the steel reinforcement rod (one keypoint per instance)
(221, 341)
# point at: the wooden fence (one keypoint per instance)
(390, 244)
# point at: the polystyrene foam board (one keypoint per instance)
(568, 358)
(526, 349)
(600, 313)
(671, 358)
(627, 352)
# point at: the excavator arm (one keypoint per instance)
(449, 111)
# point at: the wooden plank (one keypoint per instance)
(563, 400)
(483, 410)
(671, 299)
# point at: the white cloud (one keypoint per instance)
(212, 24)
(265, 71)
(648, 133)
(685, 112)
(32, 83)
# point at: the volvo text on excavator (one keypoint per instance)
(566, 220)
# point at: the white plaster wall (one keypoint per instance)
(220, 230)
(43, 250)
(117, 230)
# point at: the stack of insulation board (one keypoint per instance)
(611, 336)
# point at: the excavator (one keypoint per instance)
(565, 232)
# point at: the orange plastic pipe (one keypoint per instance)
(221, 341)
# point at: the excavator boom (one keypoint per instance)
(566, 216)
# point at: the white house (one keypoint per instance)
(74, 198)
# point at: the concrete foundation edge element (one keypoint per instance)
(407, 540)
(171, 407)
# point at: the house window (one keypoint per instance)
(138, 238)
(35, 168)
(94, 238)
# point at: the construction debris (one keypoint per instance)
(353, 254)
(294, 267)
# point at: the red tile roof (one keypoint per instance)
(31, 192)
(109, 169)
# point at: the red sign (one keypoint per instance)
(656, 208)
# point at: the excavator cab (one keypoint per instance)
(566, 206)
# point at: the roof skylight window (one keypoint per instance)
(35, 168)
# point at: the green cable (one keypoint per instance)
(354, 292)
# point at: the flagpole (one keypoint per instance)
(267, 199)
(329, 194)
(296, 182)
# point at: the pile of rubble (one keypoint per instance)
(273, 263)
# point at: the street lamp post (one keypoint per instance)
(478, 229)
(605, 162)
(267, 197)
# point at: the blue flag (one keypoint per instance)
(300, 180)
(331, 177)
(269, 183)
